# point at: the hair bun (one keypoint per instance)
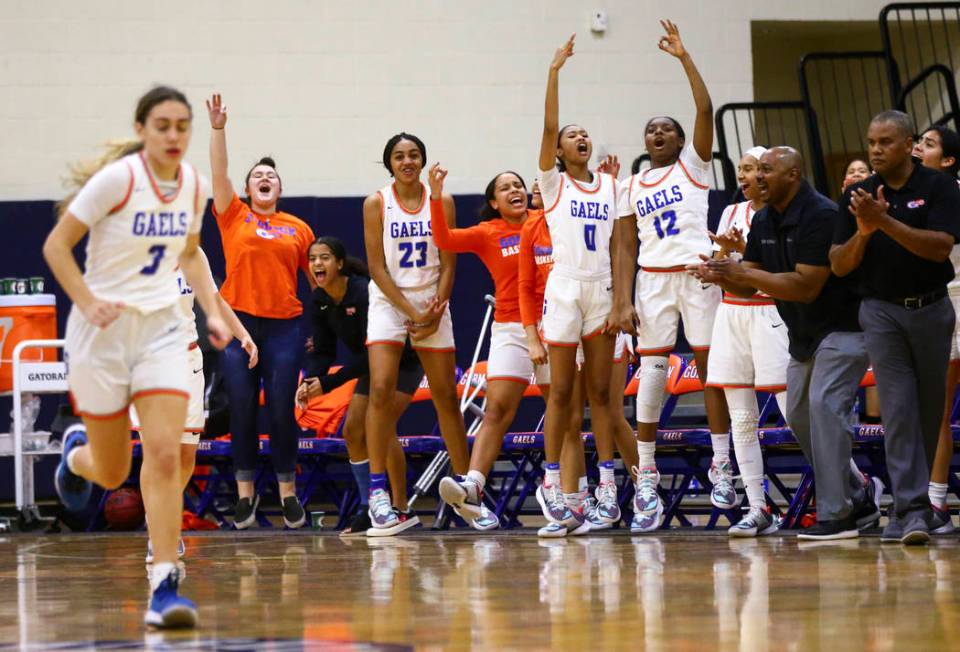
(268, 160)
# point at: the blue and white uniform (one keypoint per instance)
(413, 262)
(579, 293)
(670, 205)
(136, 235)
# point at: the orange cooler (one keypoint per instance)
(25, 317)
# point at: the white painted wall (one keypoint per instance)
(321, 85)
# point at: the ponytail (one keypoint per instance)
(80, 172)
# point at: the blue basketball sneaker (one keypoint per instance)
(167, 609)
(73, 490)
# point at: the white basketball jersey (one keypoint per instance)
(581, 223)
(412, 258)
(186, 305)
(739, 216)
(671, 208)
(132, 251)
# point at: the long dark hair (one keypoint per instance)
(352, 266)
(949, 145)
(488, 212)
(388, 148)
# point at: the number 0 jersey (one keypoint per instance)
(671, 208)
(412, 258)
(580, 219)
(136, 233)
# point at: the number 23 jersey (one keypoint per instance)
(412, 258)
(671, 209)
(137, 232)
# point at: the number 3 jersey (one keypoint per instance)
(671, 208)
(412, 258)
(137, 232)
(580, 218)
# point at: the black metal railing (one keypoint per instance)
(845, 89)
(742, 125)
(924, 114)
(918, 35)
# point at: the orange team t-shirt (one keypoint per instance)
(263, 253)
(536, 261)
(497, 244)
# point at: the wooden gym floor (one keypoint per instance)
(427, 591)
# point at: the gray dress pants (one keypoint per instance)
(910, 351)
(820, 396)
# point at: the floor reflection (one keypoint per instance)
(491, 592)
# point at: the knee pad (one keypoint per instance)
(743, 425)
(653, 378)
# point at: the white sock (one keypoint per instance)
(553, 477)
(938, 493)
(646, 450)
(159, 572)
(606, 472)
(721, 448)
(479, 478)
(582, 484)
(743, 423)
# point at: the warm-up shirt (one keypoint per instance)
(536, 261)
(263, 253)
(497, 243)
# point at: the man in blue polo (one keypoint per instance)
(895, 234)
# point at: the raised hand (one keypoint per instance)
(670, 42)
(610, 165)
(102, 313)
(217, 111)
(562, 54)
(435, 176)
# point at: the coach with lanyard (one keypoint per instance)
(896, 231)
(787, 257)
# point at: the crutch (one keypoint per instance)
(438, 465)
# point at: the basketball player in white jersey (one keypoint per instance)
(667, 206)
(748, 354)
(580, 210)
(196, 416)
(410, 288)
(126, 338)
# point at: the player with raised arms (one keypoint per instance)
(126, 338)
(410, 288)
(580, 211)
(666, 207)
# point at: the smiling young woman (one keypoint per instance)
(263, 248)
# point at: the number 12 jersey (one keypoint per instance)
(671, 208)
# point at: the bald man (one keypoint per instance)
(787, 257)
(896, 231)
